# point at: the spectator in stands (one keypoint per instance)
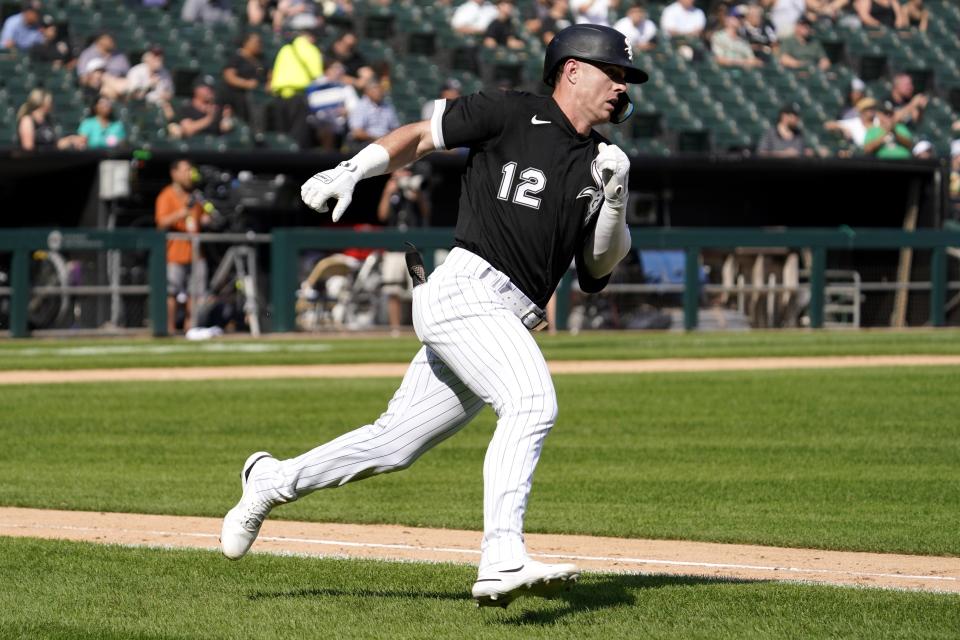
(330, 101)
(917, 15)
(178, 208)
(54, 50)
(888, 139)
(21, 31)
(202, 115)
(533, 15)
(639, 30)
(954, 187)
(403, 204)
(877, 13)
(208, 12)
(556, 20)
(344, 9)
(91, 80)
(288, 10)
(151, 81)
(501, 32)
(759, 33)
(682, 18)
(450, 90)
(784, 15)
(102, 130)
(373, 117)
(297, 64)
(260, 11)
(855, 129)
(907, 102)
(832, 10)
(856, 94)
(923, 150)
(473, 17)
(357, 71)
(593, 11)
(716, 19)
(97, 82)
(785, 138)
(801, 51)
(35, 125)
(244, 74)
(113, 82)
(729, 48)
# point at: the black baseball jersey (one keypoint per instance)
(529, 195)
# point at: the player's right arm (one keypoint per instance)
(461, 122)
(397, 149)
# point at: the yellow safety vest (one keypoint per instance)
(297, 65)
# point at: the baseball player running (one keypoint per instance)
(541, 188)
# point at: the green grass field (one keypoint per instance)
(83, 354)
(846, 459)
(73, 591)
(838, 459)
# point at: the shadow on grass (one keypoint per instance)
(365, 593)
(608, 591)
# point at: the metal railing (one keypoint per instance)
(238, 264)
(819, 241)
(23, 242)
(287, 243)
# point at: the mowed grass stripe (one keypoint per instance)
(853, 459)
(72, 590)
(94, 354)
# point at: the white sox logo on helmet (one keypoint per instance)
(629, 49)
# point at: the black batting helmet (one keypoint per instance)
(594, 43)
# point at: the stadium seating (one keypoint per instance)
(689, 105)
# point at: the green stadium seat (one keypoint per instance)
(207, 143)
(280, 141)
(646, 125)
(682, 95)
(240, 137)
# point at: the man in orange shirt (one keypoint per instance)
(178, 209)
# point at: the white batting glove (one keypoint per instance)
(614, 167)
(338, 183)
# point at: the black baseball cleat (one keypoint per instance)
(502, 583)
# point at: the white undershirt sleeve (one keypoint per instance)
(609, 242)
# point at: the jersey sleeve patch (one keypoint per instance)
(471, 119)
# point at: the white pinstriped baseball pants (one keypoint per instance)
(476, 352)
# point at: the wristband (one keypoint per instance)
(372, 160)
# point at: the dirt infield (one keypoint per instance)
(390, 370)
(391, 542)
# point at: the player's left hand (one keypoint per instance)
(338, 183)
(614, 167)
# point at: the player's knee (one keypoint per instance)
(550, 407)
(541, 407)
(399, 460)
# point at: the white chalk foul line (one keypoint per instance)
(473, 552)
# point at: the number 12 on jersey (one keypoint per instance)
(532, 181)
